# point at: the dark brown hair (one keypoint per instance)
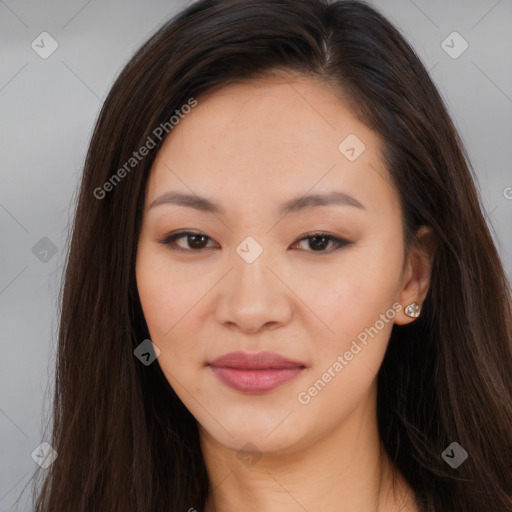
(125, 441)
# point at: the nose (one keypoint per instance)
(253, 296)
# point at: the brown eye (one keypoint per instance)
(194, 241)
(318, 242)
(197, 241)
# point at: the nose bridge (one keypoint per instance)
(253, 296)
(251, 276)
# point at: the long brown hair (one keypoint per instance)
(125, 441)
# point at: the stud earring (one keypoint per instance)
(413, 310)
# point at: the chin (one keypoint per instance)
(254, 437)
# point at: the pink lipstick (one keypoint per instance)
(255, 372)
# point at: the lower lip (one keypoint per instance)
(255, 381)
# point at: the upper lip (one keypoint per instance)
(254, 361)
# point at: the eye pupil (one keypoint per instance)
(321, 245)
(194, 244)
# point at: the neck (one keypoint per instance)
(346, 470)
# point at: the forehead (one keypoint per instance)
(274, 137)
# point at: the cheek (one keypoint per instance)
(167, 296)
(358, 308)
(351, 295)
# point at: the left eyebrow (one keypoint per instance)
(313, 200)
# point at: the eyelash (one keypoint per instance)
(169, 241)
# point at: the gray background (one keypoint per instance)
(48, 108)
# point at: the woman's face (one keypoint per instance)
(252, 282)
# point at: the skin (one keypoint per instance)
(250, 147)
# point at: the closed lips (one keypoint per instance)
(255, 373)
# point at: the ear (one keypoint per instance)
(416, 275)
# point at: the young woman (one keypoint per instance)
(281, 292)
